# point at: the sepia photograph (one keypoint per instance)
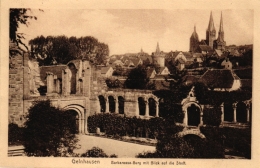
(140, 87)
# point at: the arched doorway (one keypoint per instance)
(121, 105)
(73, 78)
(228, 112)
(193, 115)
(141, 104)
(112, 104)
(102, 102)
(71, 121)
(152, 107)
(241, 112)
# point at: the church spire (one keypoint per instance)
(221, 24)
(211, 26)
(157, 48)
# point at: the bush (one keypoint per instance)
(97, 152)
(212, 116)
(239, 140)
(116, 125)
(47, 132)
(15, 134)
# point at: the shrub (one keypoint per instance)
(47, 132)
(97, 152)
(116, 125)
(15, 134)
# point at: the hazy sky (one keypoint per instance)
(127, 31)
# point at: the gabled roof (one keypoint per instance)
(104, 70)
(55, 69)
(218, 78)
(205, 48)
(181, 61)
(218, 52)
(150, 71)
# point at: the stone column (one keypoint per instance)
(222, 112)
(116, 105)
(201, 115)
(65, 82)
(146, 109)
(157, 109)
(136, 108)
(86, 121)
(185, 119)
(248, 112)
(50, 82)
(235, 112)
(107, 105)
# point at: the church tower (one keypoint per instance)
(220, 42)
(158, 57)
(211, 32)
(194, 41)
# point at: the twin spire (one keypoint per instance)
(211, 26)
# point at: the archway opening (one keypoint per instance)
(102, 102)
(112, 104)
(73, 78)
(193, 115)
(71, 121)
(241, 112)
(228, 112)
(141, 104)
(152, 107)
(121, 105)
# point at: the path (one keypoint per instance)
(110, 146)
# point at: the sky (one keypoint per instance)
(129, 30)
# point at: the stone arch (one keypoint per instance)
(121, 105)
(141, 105)
(191, 132)
(102, 103)
(73, 78)
(241, 112)
(80, 110)
(192, 114)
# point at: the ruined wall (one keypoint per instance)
(16, 86)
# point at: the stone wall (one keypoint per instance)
(16, 87)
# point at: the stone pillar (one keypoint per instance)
(66, 82)
(50, 82)
(235, 112)
(136, 108)
(157, 109)
(116, 105)
(222, 112)
(185, 119)
(201, 115)
(107, 105)
(86, 121)
(57, 85)
(248, 112)
(146, 109)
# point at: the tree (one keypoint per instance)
(18, 16)
(137, 79)
(47, 132)
(61, 49)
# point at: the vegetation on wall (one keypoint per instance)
(15, 134)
